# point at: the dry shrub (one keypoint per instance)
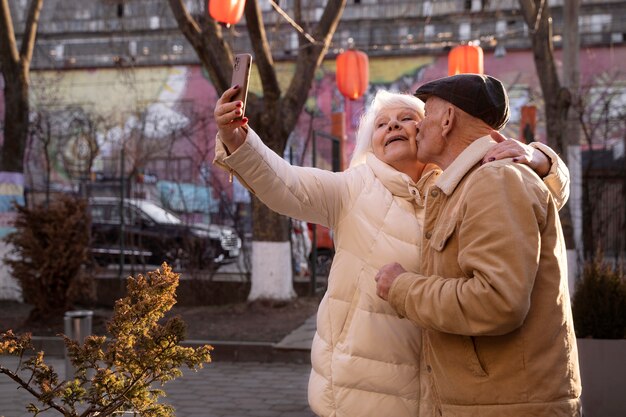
(50, 247)
(599, 303)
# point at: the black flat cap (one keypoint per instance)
(482, 96)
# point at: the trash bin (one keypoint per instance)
(77, 326)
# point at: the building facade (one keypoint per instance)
(108, 73)
(113, 33)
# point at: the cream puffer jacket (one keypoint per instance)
(365, 359)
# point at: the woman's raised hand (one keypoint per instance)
(230, 123)
(520, 152)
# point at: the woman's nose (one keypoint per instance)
(393, 124)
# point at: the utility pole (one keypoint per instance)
(571, 81)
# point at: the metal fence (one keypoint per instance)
(604, 213)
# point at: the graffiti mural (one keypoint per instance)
(163, 115)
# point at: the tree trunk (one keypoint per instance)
(15, 66)
(272, 270)
(557, 99)
(273, 116)
(16, 113)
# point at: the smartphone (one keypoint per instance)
(241, 76)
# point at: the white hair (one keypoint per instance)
(382, 100)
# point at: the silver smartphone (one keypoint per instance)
(241, 77)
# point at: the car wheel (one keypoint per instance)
(189, 258)
(324, 261)
(176, 257)
(101, 260)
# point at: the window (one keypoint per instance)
(465, 31)
(427, 8)
(429, 31)
(98, 214)
(595, 23)
(501, 27)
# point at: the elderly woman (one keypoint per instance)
(365, 359)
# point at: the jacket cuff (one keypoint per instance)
(221, 151)
(228, 161)
(552, 156)
(557, 179)
(240, 157)
(398, 293)
(223, 154)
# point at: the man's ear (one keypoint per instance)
(448, 120)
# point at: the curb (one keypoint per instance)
(224, 351)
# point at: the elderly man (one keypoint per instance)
(492, 295)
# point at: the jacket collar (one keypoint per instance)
(395, 181)
(463, 163)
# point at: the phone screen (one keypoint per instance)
(241, 77)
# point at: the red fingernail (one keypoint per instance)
(515, 159)
(244, 120)
(239, 104)
(492, 159)
(236, 86)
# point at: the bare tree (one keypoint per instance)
(63, 140)
(557, 99)
(273, 116)
(602, 117)
(15, 67)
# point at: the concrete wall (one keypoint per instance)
(603, 369)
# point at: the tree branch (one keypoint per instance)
(529, 10)
(27, 387)
(262, 53)
(30, 32)
(309, 59)
(295, 23)
(8, 46)
(208, 43)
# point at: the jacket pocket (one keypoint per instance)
(343, 335)
(472, 358)
(442, 234)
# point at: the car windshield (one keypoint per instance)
(157, 213)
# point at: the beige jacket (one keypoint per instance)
(493, 297)
(365, 359)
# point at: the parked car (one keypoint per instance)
(325, 249)
(153, 235)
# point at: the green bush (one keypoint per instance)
(123, 373)
(599, 303)
(50, 247)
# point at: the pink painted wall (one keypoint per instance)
(516, 70)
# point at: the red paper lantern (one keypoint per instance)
(465, 59)
(528, 122)
(226, 11)
(352, 73)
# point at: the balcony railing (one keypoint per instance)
(148, 35)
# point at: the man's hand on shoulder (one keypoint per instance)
(385, 278)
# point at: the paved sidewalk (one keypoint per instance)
(301, 338)
(222, 389)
